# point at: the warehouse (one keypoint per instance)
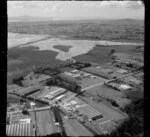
(68, 79)
(124, 87)
(23, 129)
(90, 112)
(60, 97)
(22, 125)
(57, 90)
(29, 90)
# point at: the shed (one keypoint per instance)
(67, 78)
(73, 102)
(125, 86)
(122, 71)
(60, 97)
(75, 70)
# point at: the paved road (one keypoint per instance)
(99, 84)
(130, 74)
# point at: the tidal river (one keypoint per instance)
(76, 47)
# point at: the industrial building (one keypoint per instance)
(90, 112)
(28, 125)
(29, 90)
(22, 129)
(77, 106)
(68, 79)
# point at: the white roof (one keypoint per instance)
(68, 73)
(122, 71)
(32, 104)
(77, 106)
(98, 67)
(57, 90)
(26, 120)
(77, 75)
(75, 70)
(124, 86)
(73, 102)
(59, 97)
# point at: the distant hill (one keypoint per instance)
(29, 18)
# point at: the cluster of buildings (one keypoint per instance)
(80, 109)
(25, 123)
(38, 89)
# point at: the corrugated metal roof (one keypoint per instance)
(68, 78)
(23, 129)
(89, 111)
(29, 89)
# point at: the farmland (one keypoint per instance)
(100, 53)
(117, 30)
(28, 51)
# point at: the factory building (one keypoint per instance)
(29, 90)
(68, 79)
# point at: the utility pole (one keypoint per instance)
(35, 119)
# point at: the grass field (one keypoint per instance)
(100, 54)
(44, 121)
(86, 82)
(108, 93)
(74, 128)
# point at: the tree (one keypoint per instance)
(112, 52)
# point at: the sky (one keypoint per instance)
(77, 9)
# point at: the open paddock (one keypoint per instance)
(109, 93)
(44, 121)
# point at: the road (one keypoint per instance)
(122, 76)
(99, 84)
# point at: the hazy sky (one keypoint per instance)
(77, 9)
